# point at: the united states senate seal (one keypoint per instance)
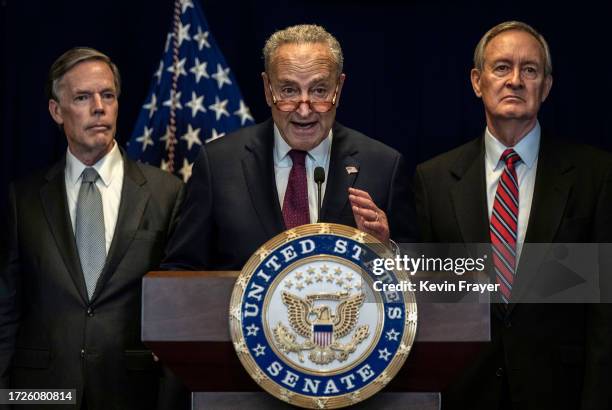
(307, 325)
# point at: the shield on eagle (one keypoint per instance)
(322, 334)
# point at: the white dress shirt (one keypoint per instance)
(527, 148)
(317, 157)
(110, 169)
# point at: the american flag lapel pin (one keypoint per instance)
(351, 170)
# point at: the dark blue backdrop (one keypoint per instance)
(407, 65)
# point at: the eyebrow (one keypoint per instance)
(505, 60)
(315, 81)
(88, 91)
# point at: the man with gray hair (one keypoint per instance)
(510, 187)
(254, 184)
(80, 236)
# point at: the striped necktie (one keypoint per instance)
(504, 225)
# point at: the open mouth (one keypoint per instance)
(304, 125)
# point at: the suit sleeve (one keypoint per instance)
(172, 395)
(174, 217)
(190, 245)
(596, 392)
(9, 286)
(400, 212)
(422, 207)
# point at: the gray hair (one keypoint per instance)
(511, 25)
(300, 34)
(71, 58)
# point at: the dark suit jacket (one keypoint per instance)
(545, 356)
(232, 207)
(63, 340)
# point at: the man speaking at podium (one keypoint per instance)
(511, 187)
(251, 185)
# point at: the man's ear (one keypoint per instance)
(56, 111)
(340, 84)
(548, 81)
(266, 86)
(475, 78)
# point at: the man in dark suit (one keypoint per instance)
(252, 185)
(511, 187)
(79, 239)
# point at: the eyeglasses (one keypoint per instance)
(292, 105)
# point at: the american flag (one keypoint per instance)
(193, 98)
(323, 334)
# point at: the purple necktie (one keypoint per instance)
(295, 204)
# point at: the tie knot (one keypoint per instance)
(298, 157)
(90, 175)
(510, 157)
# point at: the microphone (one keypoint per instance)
(319, 178)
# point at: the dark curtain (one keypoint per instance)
(407, 65)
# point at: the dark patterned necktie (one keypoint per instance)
(89, 230)
(295, 204)
(504, 225)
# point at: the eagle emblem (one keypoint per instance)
(321, 327)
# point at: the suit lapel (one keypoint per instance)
(258, 168)
(55, 205)
(469, 198)
(134, 199)
(551, 191)
(469, 194)
(339, 179)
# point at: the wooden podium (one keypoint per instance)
(185, 322)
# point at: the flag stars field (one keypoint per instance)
(196, 104)
(215, 135)
(198, 95)
(146, 139)
(166, 137)
(244, 113)
(219, 107)
(180, 67)
(160, 70)
(186, 170)
(222, 76)
(175, 98)
(151, 106)
(192, 136)
(183, 33)
(199, 70)
(167, 45)
(185, 4)
(201, 38)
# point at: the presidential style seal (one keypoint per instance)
(308, 326)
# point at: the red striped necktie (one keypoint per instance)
(504, 225)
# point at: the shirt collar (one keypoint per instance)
(318, 154)
(527, 148)
(104, 166)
